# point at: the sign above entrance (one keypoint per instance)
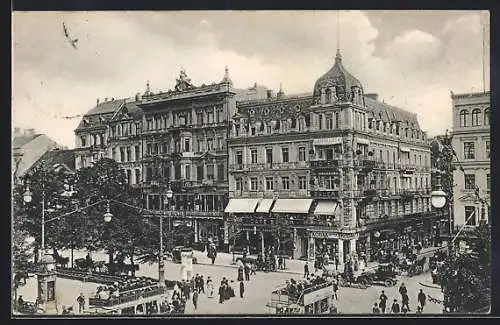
(333, 235)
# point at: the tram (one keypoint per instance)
(314, 300)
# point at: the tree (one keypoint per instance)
(466, 278)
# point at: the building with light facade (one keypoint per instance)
(336, 172)
(471, 143)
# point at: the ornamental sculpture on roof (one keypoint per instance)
(183, 83)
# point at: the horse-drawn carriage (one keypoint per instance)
(119, 267)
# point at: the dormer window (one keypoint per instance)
(328, 96)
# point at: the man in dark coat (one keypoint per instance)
(195, 299)
(402, 290)
(421, 298)
(240, 274)
(395, 307)
(383, 302)
(306, 270)
(242, 288)
(405, 301)
(221, 293)
(202, 284)
(246, 269)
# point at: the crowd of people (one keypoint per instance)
(396, 308)
(294, 288)
(126, 288)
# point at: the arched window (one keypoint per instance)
(475, 116)
(328, 96)
(487, 116)
(463, 117)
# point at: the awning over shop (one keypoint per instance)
(326, 208)
(404, 149)
(292, 205)
(264, 205)
(327, 141)
(241, 205)
(362, 141)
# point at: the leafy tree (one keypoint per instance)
(466, 278)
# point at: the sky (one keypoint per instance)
(412, 59)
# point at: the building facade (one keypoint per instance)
(335, 172)
(471, 143)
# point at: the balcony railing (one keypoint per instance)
(325, 193)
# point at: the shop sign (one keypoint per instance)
(332, 235)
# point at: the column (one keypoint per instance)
(340, 252)
(215, 169)
(263, 247)
(352, 246)
(248, 241)
(195, 221)
(311, 249)
(368, 247)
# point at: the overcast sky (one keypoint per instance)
(411, 58)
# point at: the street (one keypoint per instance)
(257, 290)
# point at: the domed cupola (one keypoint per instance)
(338, 85)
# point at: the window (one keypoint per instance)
(487, 149)
(470, 215)
(269, 155)
(122, 154)
(187, 172)
(220, 172)
(302, 154)
(470, 181)
(210, 171)
(269, 183)
(187, 148)
(475, 116)
(149, 148)
(329, 121)
(129, 154)
(488, 181)
(329, 182)
(210, 144)
(328, 96)
(268, 129)
(199, 172)
(253, 130)
(469, 152)
(285, 182)
(129, 176)
(253, 184)
(320, 121)
(166, 172)
(137, 176)
(463, 118)
(177, 171)
(239, 184)
(220, 143)
(210, 116)
(302, 183)
(113, 154)
(199, 117)
(149, 174)
(294, 123)
(239, 157)
(487, 117)
(253, 155)
(138, 153)
(83, 141)
(284, 154)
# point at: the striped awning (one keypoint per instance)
(326, 208)
(241, 205)
(264, 205)
(327, 141)
(292, 205)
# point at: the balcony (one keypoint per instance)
(370, 192)
(408, 169)
(325, 163)
(408, 194)
(325, 193)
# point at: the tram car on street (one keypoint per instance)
(313, 300)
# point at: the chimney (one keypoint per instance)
(269, 93)
(372, 96)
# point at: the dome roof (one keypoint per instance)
(337, 76)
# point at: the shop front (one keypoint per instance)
(335, 243)
(240, 214)
(291, 216)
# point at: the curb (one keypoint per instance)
(235, 267)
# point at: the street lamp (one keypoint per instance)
(161, 264)
(108, 215)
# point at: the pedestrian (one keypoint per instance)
(210, 288)
(383, 302)
(81, 302)
(253, 269)
(405, 300)
(280, 262)
(421, 298)
(306, 270)
(375, 309)
(240, 273)
(20, 301)
(246, 269)
(335, 288)
(336, 263)
(242, 288)
(195, 299)
(202, 284)
(402, 290)
(395, 307)
(221, 293)
(197, 282)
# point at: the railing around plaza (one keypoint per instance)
(128, 296)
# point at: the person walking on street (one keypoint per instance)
(240, 273)
(81, 302)
(306, 270)
(402, 290)
(246, 269)
(421, 299)
(395, 307)
(221, 293)
(195, 299)
(383, 302)
(405, 301)
(202, 284)
(375, 309)
(335, 288)
(242, 288)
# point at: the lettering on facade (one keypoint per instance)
(332, 235)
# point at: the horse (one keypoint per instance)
(60, 260)
(83, 264)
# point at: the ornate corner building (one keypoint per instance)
(337, 171)
(471, 143)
